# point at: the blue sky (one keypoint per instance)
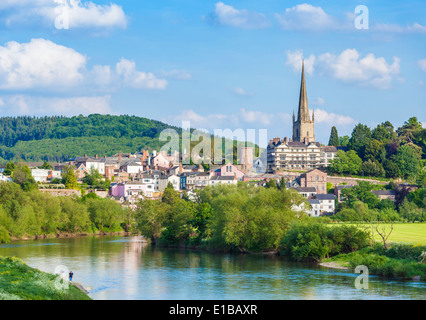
(219, 64)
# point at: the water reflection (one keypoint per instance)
(128, 268)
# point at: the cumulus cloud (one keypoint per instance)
(39, 63)
(294, 60)
(258, 117)
(227, 15)
(306, 17)
(322, 116)
(349, 66)
(131, 77)
(43, 64)
(75, 13)
(25, 104)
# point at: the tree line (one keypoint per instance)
(382, 151)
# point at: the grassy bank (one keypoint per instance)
(414, 233)
(400, 260)
(21, 282)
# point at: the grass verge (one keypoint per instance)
(21, 282)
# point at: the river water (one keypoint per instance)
(115, 267)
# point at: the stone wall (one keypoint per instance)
(62, 192)
(353, 181)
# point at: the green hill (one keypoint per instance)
(61, 138)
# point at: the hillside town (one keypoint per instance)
(298, 163)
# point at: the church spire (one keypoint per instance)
(303, 114)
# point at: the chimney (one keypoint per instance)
(119, 157)
(85, 155)
(96, 156)
(180, 168)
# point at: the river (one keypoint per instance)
(114, 267)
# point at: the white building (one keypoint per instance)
(44, 175)
(315, 209)
(327, 203)
(5, 178)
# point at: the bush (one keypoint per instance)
(316, 241)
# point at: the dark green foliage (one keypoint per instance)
(359, 140)
(316, 241)
(407, 161)
(22, 176)
(9, 168)
(223, 217)
(33, 213)
(59, 138)
(334, 137)
(398, 261)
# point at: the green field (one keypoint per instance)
(403, 232)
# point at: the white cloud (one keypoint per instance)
(39, 63)
(322, 116)
(422, 65)
(241, 92)
(397, 28)
(294, 59)
(229, 16)
(80, 15)
(25, 104)
(43, 64)
(350, 67)
(258, 117)
(126, 69)
(305, 16)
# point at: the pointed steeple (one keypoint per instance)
(303, 114)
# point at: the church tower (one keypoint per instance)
(303, 127)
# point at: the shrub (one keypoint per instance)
(316, 241)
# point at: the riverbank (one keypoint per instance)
(18, 281)
(399, 261)
(69, 235)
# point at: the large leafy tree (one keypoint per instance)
(384, 132)
(334, 137)
(407, 161)
(346, 162)
(407, 132)
(22, 176)
(360, 138)
(69, 178)
(8, 169)
(375, 151)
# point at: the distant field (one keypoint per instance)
(405, 232)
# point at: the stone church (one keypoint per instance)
(302, 152)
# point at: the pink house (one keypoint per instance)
(132, 189)
(229, 170)
(160, 161)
